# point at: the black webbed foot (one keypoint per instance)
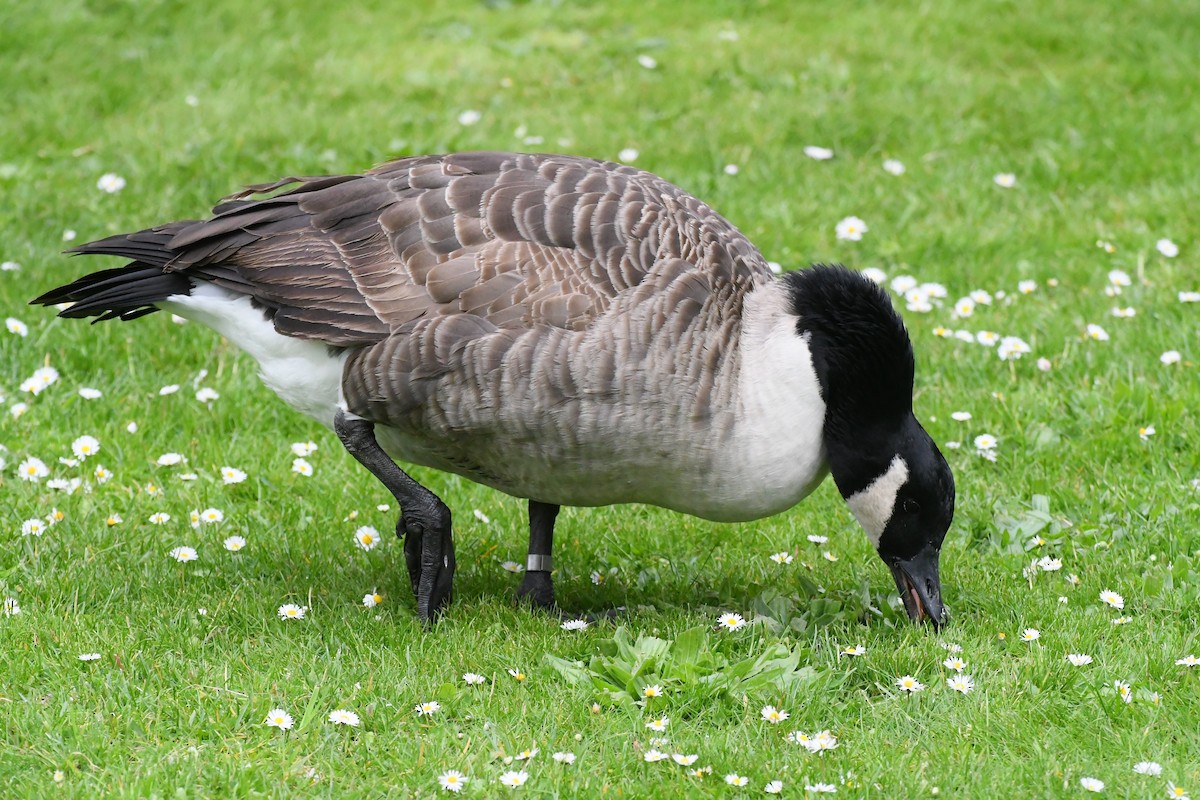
(537, 589)
(424, 522)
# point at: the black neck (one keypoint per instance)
(864, 362)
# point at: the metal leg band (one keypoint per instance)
(538, 563)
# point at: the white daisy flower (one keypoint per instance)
(1030, 634)
(875, 275)
(427, 709)
(893, 167)
(985, 441)
(184, 554)
(575, 625)
(1079, 659)
(907, 683)
(782, 558)
(366, 537)
(33, 527)
(301, 466)
(89, 656)
(15, 326)
(452, 780)
(514, 778)
(1148, 768)
(343, 717)
(212, 515)
(1012, 348)
(234, 543)
(1092, 784)
(1167, 248)
(32, 469)
(303, 449)
(647, 62)
(627, 156)
(469, 117)
(961, 683)
(818, 153)
(773, 715)
(278, 718)
(564, 758)
(231, 475)
(473, 678)
(1005, 180)
(1112, 598)
(110, 182)
(1027, 287)
(731, 621)
(851, 229)
(1170, 357)
(292, 611)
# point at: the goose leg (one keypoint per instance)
(537, 586)
(424, 519)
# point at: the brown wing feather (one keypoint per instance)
(423, 260)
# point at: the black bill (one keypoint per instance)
(919, 586)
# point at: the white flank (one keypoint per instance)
(872, 507)
(301, 372)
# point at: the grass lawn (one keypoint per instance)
(1094, 108)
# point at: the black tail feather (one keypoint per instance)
(125, 292)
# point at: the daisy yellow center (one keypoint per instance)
(367, 538)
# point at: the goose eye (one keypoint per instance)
(911, 506)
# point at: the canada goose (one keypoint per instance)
(568, 331)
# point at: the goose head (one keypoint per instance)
(885, 465)
(904, 503)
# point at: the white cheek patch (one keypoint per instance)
(872, 507)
